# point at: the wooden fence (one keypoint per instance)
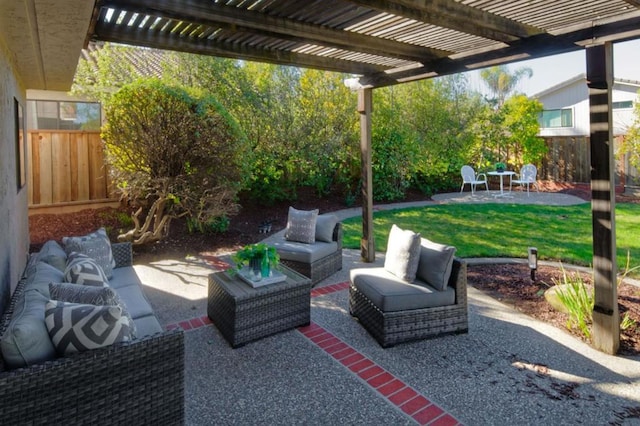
(569, 160)
(66, 168)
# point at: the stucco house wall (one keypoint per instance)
(14, 226)
(574, 94)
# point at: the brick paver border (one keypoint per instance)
(386, 384)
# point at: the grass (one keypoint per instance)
(562, 233)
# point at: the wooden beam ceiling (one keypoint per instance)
(456, 16)
(384, 41)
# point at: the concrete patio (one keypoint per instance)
(509, 368)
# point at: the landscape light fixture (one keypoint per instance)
(533, 262)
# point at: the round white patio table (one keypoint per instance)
(502, 175)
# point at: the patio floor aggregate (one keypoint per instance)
(509, 368)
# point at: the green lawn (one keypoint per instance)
(506, 230)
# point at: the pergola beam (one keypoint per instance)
(534, 47)
(455, 16)
(251, 22)
(171, 41)
(365, 108)
(606, 318)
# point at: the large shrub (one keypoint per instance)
(172, 154)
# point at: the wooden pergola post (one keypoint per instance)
(606, 318)
(365, 106)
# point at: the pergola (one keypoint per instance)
(387, 42)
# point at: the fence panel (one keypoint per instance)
(569, 160)
(66, 167)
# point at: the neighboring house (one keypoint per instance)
(566, 107)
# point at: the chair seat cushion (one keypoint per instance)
(306, 253)
(391, 294)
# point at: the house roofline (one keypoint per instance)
(577, 78)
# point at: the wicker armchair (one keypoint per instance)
(390, 328)
(321, 268)
(137, 382)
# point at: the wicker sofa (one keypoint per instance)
(316, 260)
(136, 382)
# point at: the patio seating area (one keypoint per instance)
(508, 369)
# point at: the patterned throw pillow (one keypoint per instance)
(301, 225)
(81, 269)
(403, 253)
(76, 327)
(89, 295)
(96, 245)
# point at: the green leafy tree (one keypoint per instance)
(173, 155)
(520, 120)
(631, 142)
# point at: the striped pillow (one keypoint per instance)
(76, 327)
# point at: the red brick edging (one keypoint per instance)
(394, 390)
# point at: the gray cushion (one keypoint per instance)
(77, 327)
(436, 261)
(306, 253)
(135, 301)
(123, 277)
(89, 295)
(82, 269)
(58, 262)
(301, 225)
(96, 245)
(325, 224)
(390, 293)
(147, 325)
(26, 340)
(51, 248)
(403, 253)
(40, 277)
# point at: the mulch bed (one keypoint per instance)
(511, 284)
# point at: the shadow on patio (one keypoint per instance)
(509, 368)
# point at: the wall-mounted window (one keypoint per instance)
(63, 115)
(556, 118)
(622, 105)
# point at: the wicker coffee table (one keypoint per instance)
(243, 313)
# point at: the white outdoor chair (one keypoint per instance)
(469, 176)
(528, 176)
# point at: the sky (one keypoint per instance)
(549, 71)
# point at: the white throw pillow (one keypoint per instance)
(403, 253)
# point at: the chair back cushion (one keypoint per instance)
(325, 224)
(403, 253)
(436, 261)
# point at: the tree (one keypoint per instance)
(631, 141)
(173, 155)
(501, 82)
(520, 120)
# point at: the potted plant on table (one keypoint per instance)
(500, 167)
(260, 258)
